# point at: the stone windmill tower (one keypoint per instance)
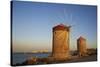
(81, 45)
(60, 50)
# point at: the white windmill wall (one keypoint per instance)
(81, 43)
(60, 44)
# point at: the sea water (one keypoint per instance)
(21, 57)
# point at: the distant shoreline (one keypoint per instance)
(28, 52)
(49, 51)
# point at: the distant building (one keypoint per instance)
(81, 46)
(60, 50)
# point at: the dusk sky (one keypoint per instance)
(33, 22)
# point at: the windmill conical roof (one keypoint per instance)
(81, 38)
(60, 27)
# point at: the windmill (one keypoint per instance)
(61, 42)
